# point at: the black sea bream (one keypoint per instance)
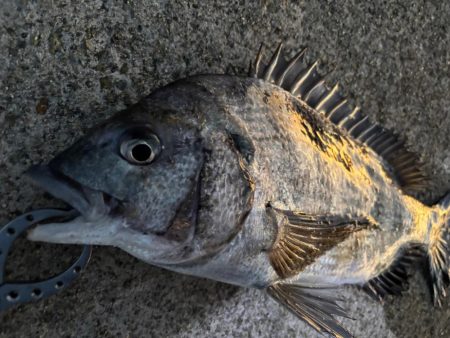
(269, 181)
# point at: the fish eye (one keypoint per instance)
(140, 151)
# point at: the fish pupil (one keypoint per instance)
(141, 152)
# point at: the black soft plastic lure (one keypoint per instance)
(19, 292)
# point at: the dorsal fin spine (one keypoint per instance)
(381, 136)
(407, 163)
(258, 60)
(348, 117)
(409, 170)
(327, 97)
(336, 108)
(272, 64)
(319, 84)
(391, 148)
(354, 120)
(294, 60)
(382, 141)
(357, 124)
(298, 82)
(366, 132)
(250, 69)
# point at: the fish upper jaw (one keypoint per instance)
(96, 223)
(91, 204)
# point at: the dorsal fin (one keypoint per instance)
(305, 82)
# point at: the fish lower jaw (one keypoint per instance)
(80, 230)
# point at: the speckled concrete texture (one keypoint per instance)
(66, 65)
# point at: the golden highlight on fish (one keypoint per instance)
(271, 181)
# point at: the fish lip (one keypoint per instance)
(90, 203)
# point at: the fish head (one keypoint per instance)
(134, 180)
(162, 180)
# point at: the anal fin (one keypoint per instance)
(394, 280)
(304, 237)
(315, 305)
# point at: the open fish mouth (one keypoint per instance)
(95, 208)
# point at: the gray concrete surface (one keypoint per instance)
(66, 65)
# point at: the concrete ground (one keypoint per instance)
(66, 65)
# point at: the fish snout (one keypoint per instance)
(90, 203)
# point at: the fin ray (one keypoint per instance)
(298, 57)
(302, 237)
(313, 305)
(439, 251)
(394, 280)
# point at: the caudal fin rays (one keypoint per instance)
(439, 251)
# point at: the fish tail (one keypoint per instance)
(439, 250)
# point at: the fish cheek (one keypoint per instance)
(226, 195)
(162, 198)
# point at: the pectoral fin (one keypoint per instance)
(315, 305)
(304, 237)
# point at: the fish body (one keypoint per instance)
(292, 172)
(267, 181)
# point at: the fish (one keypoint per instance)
(270, 180)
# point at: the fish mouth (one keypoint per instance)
(102, 221)
(95, 208)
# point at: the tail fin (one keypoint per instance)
(439, 250)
